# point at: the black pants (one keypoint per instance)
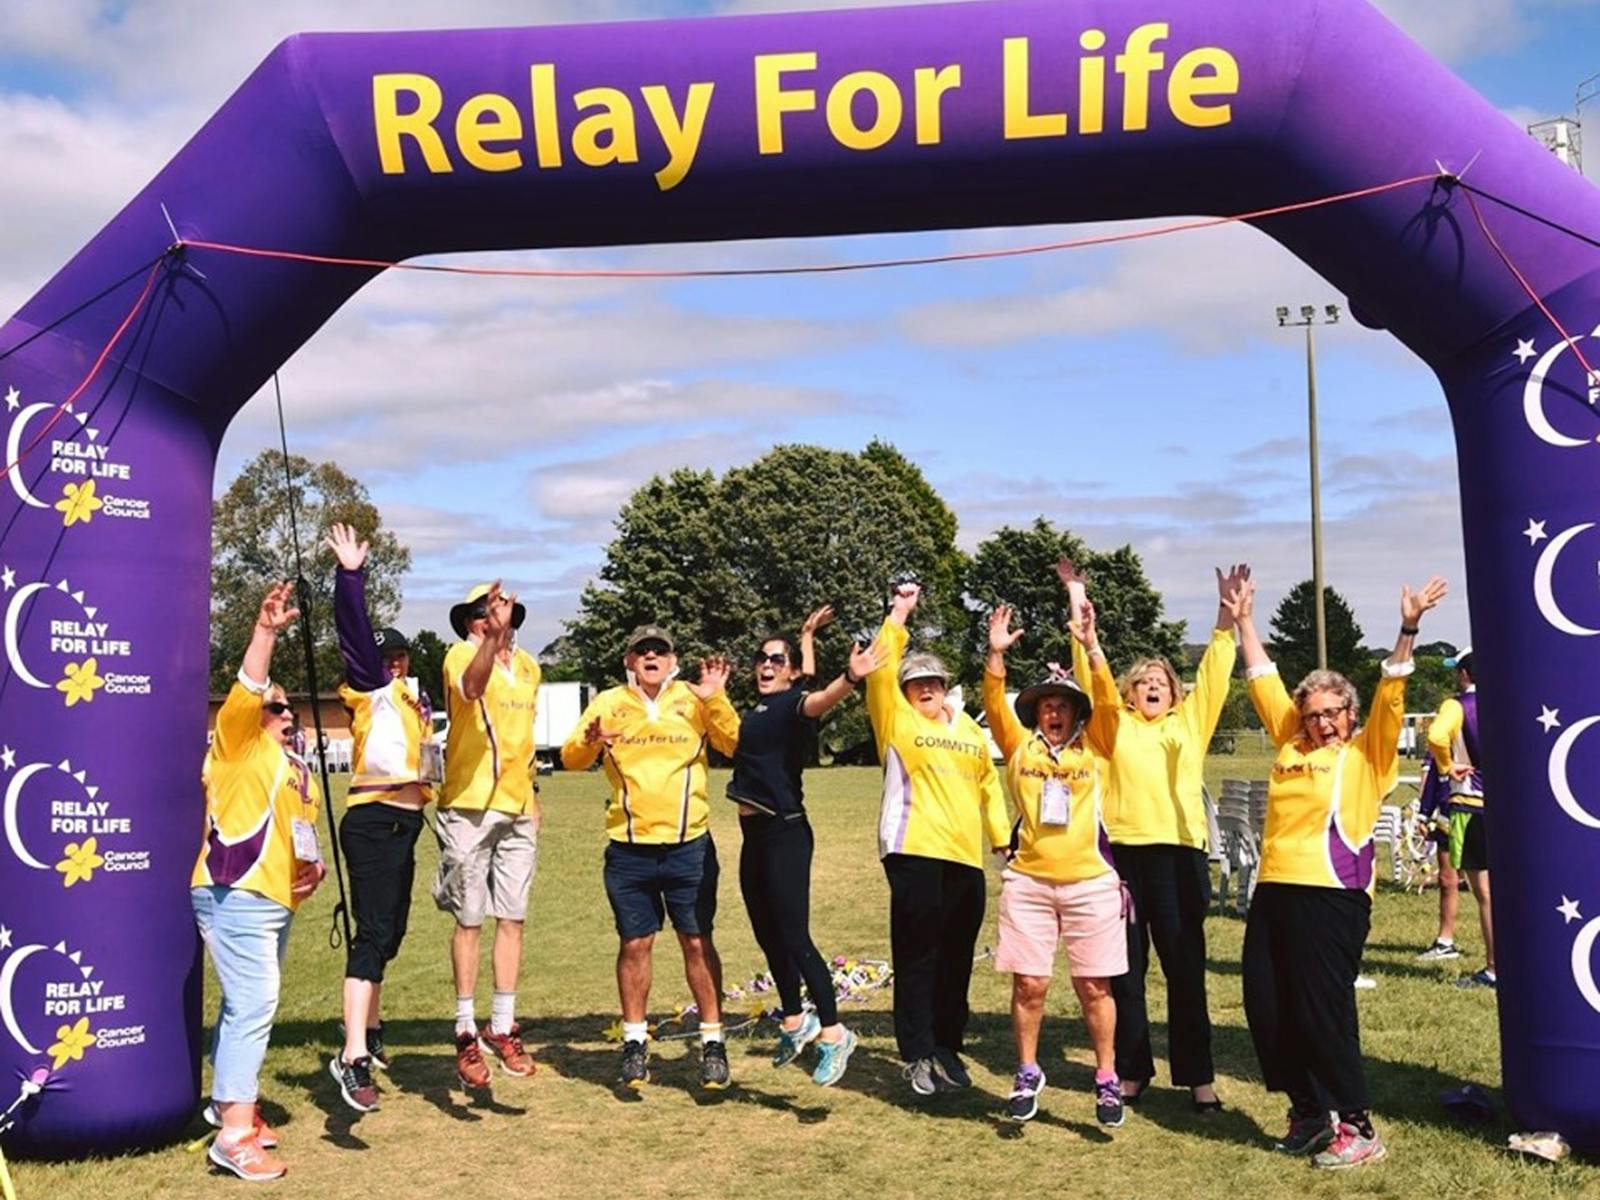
(1171, 891)
(935, 913)
(380, 849)
(775, 877)
(1302, 948)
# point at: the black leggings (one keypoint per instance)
(380, 848)
(935, 913)
(775, 877)
(1302, 948)
(1171, 889)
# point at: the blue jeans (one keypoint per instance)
(246, 935)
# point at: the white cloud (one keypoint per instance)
(1458, 30)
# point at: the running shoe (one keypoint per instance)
(247, 1158)
(832, 1057)
(920, 1075)
(265, 1134)
(949, 1070)
(1307, 1134)
(1108, 1102)
(713, 1066)
(1023, 1103)
(1478, 979)
(791, 1042)
(635, 1064)
(355, 1082)
(376, 1050)
(1439, 951)
(1365, 983)
(470, 1067)
(1350, 1149)
(507, 1047)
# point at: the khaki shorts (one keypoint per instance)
(486, 865)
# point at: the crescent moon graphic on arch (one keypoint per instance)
(13, 452)
(1560, 783)
(1543, 594)
(1533, 399)
(8, 974)
(13, 612)
(13, 794)
(1582, 970)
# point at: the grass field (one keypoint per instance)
(567, 1132)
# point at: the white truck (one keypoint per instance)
(560, 706)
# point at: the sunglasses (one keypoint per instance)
(779, 659)
(659, 649)
(480, 613)
(278, 708)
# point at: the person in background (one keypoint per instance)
(1454, 742)
(258, 860)
(1433, 812)
(942, 806)
(775, 738)
(651, 733)
(1060, 885)
(394, 770)
(1312, 907)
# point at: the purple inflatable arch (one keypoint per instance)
(386, 146)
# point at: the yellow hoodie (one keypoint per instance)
(941, 793)
(1157, 771)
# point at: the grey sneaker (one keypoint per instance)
(1307, 1134)
(1478, 979)
(792, 1042)
(1023, 1103)
(920, 1075)
(713, 1066)
(832, 1058)
(949, 1071)
(1108, 1108)
(1439, 951)
(1350, 1149)
(635, 1064)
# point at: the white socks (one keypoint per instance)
(710, 1031)
(503, 1013)
(636, 1031)
(465, 1021)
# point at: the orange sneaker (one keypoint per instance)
(265, 1134)
(507, 1047)
(247, 1158)
(470, 1067)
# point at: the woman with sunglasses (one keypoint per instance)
(1312, 907)
(775, 738)
(258, 860)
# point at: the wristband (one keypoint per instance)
(1409, 630)
(851, 679)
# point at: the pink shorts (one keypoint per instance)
(1035, 914)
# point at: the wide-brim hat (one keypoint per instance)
(461, 614)
(1053, 685)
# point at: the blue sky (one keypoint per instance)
(1184, 424)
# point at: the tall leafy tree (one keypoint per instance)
(427, 664)
(252, 547)
(1293, 641)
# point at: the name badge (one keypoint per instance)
(1055, 805)
(430, 764)
(306, 849)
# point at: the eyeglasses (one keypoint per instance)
(659, 649)
(1325, 715)
(779, 659)
(480, 613)
(278, 708)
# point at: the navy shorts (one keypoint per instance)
(646, 883)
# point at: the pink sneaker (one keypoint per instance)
(247, 1159)
(1350, 1149)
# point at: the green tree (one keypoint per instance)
(251, 547)
(427, 664)
(558, 661)
(1293, 641)
(1018, 567)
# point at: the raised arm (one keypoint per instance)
(1267, 691)
(1381, 736)
(1009, 733)
(497, 637)
(363, 664)
(1202, 707)
(863, 662)
(883, 685)
(719, 722)
(808, 640)
(239, 719)
(1105, 718)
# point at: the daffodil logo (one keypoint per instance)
(80, 682)
(80, 861)
(78, 503)
(71, 1041)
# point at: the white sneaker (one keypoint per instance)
(1365, 983)
(1439, 951)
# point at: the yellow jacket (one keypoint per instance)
(1322, 803)
(1078, 849)
(657, 761)
(941, 793)
(392, 732)
(1157, 771)
(255, 791)
(489, 751)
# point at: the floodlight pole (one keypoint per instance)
(1308, 318)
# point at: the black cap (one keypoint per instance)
(391, 642)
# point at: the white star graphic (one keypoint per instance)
(5, 938)
(1549, 717)
(1569, 911)
(1534, 532)
(8, 578)
(8, 758)
(13, 399)
(1524, 350)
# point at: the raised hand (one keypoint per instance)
(823, 616)
(1229, 583)
(1001, 636)
(1241, 600)
(277, 608)
(350, 551)
(864, 660)
(714, 672)
(501, 608)
(1414, 604)
(904, 600)
(1083, 628)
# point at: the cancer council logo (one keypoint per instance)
(52, 1004)
(56, 821)
(81, 478)
(56, 640)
